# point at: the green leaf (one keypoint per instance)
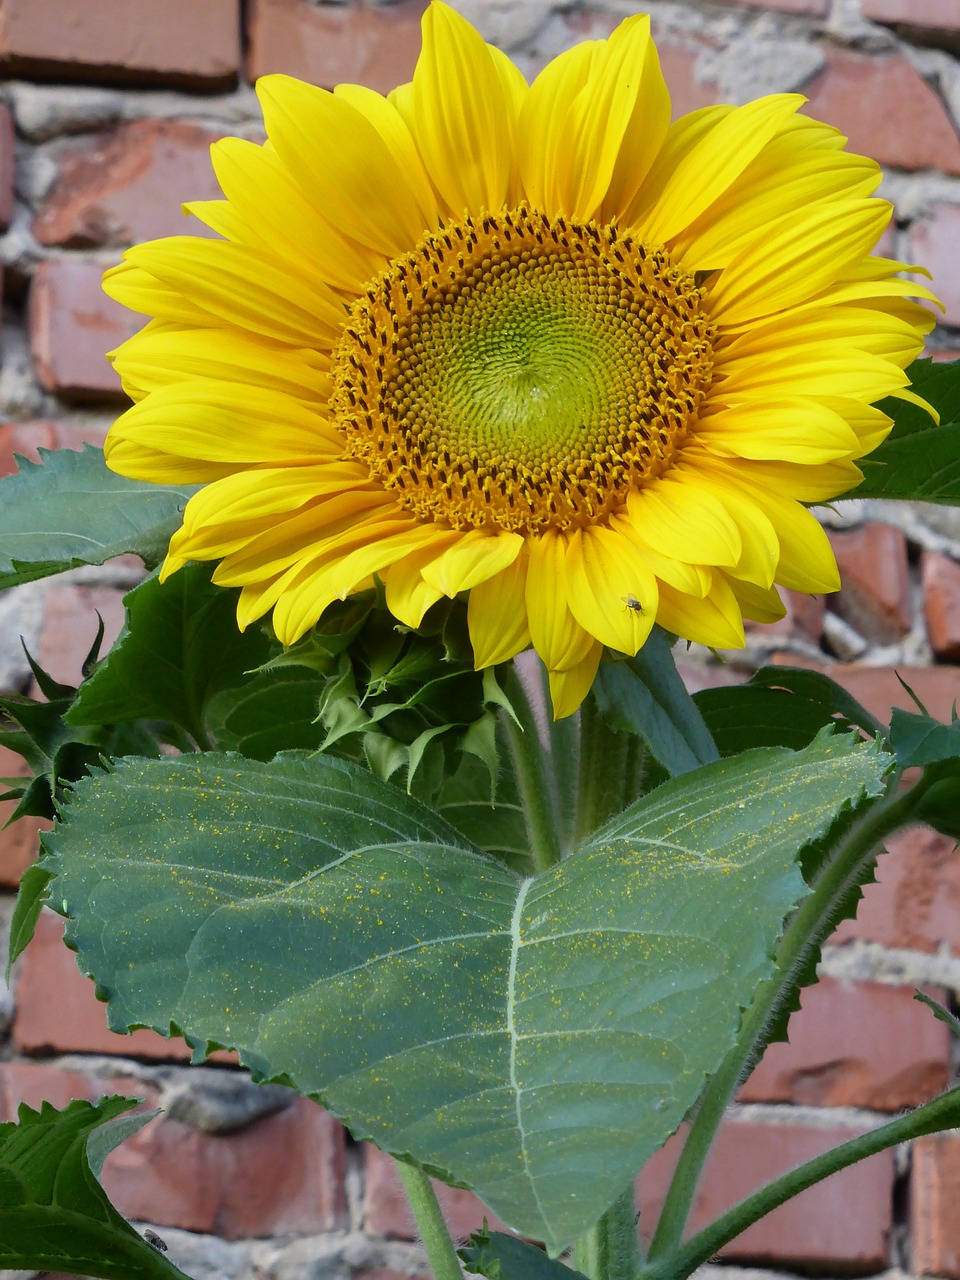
(69, 510)
(31, 896)
(645, 695)
(502, 1257)
(346, 941)
(939, 1012)
(180, 645)
(54, 1215)
(275, 710)
(921, 740)
(779, 707)
(919, 460)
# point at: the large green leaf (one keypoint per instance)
(69, 510)
(54, 1215)
(535, 1039)
(180, 645)
(502, 1257)
(919, 459)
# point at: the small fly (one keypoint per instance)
(632, 603)
(158, 1242)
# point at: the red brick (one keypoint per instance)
(387, 1213)
(72, 326)
(854, 92)
(841, 1051)
(933, 244)
(934, 1196)
(25, 439)
(6, 168)
(361, 43)
(70, 627)
(178, 42)
(842, 1222)
(879, 690)
(915, 902)
(875, 598)
(817, 8)
(18, 842)
(126, 186)
(803, 619)
(688, 89)
(941, 604)
(56, 1008)
(940, 15)
(282, 1173)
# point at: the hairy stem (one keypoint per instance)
(534, 779)
(611, 1251)
(809, 927)
(430, 1224)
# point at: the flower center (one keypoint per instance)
(522, 372)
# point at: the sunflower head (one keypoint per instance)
(536, 344)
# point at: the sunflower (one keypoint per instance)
(533, 343)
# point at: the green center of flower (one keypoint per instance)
(522, 372)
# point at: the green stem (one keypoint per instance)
(933, 1117)
(534, 779)
(610, 1251)
(430, 1224)
(603, 758)
(811, 924)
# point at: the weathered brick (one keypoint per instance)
(371, 44)
(842, 1223)
(72, 325)
(179, 42)
(915, 902)
(19, 841)
(854, 92)
(939, 15)
(933, 244)
(816, 8)
(689, 91)
(127, 185)
(875, 598)
(941, 604)
(26, 439)
(803, 619)
(841, 1052)
(57, 1009)
(934, 1196)
(283, 1173)
(70, 627)
(6, 167)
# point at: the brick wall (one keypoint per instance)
(106, 112)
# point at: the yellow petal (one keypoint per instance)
(795, 258)
(462, 114)
(674, 516)
(342, 163)
(409, 594)
(760, 547)
(241, 286)
(569, 687)
(542, 155)
(271, 211)
(761, 604)
(790, 429)
(557, 637)
(715, 621)
(226, 422)
(714, 162)
(693, 579)
(133, 287)
(161, 355)
(476, 556)
(497, 616)
(611, 592)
